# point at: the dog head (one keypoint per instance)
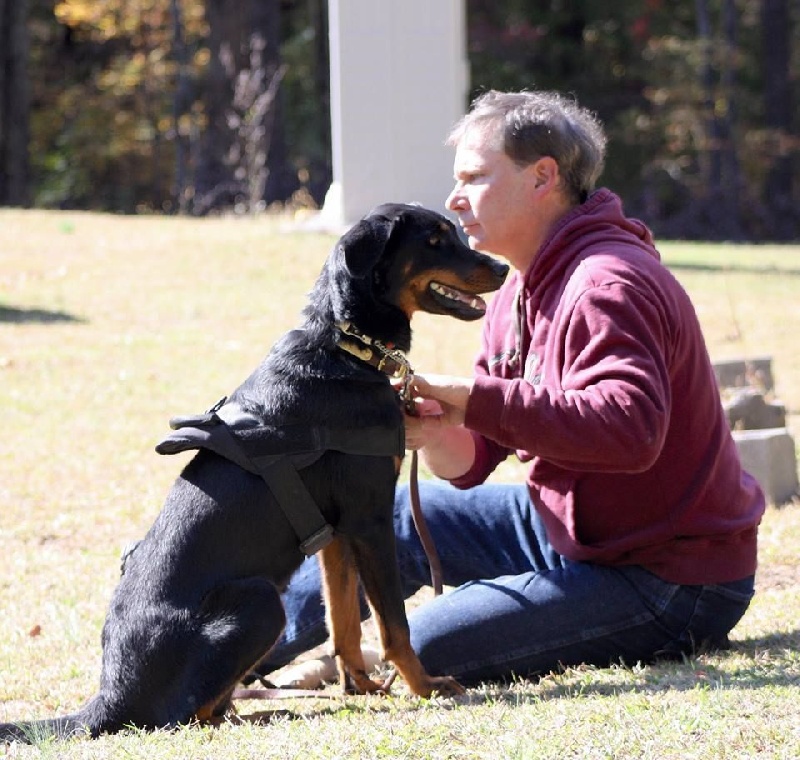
(403, 258)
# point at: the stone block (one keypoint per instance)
(735, 373)
(747, 409)
(769, 456)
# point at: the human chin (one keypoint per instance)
(473, 233)
(476, 240)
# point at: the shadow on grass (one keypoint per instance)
(41, 316)
(773, 642)
(762, 669)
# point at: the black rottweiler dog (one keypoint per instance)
(303, 457)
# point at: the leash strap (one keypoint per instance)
(417, 515)
(273, 692)
(421, 526)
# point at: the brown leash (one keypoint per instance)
(420, 523)
(274, 692)
(422, 527)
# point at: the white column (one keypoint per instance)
(398, 83)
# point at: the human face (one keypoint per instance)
(494, 199)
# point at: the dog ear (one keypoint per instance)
(362, 245)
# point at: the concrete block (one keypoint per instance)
(769, 456)
(747, 409)
(734, 373)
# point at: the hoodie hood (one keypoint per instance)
(600, 219)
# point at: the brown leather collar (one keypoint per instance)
(388, 360)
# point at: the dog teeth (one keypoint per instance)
(475, 302)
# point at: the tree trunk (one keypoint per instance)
(180, 105)
(729, 160)
(321, 168)
(713, 174)
(237, 30)
(14, 103)
(281, 179)
(776, 34)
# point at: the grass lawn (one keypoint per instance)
(111, 325)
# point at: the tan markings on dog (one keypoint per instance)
(436, 238)
(395, 641)
(340, 590)
(409, 300)
(216, 707)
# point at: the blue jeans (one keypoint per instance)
(519, 608)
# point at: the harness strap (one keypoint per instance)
(283, 480)
(307, 521)
(277, 454)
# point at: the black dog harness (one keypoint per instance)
(277, 453)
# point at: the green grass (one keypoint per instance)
(111, 325)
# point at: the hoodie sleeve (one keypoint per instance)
(603, 402)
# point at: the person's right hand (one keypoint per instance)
(422, 427)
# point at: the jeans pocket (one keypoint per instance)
(720, 607)
(709, 614)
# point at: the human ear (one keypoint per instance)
(545, 172)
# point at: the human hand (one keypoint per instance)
(437, 430)
(450, 394)
(422, 426)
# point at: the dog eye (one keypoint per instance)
(434, 241)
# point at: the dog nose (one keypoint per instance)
(500, 269)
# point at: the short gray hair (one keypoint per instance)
(530, 125)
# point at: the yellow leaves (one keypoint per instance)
(100, 16)
(106, 19)
(202, 58)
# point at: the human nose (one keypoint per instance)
(455, 200)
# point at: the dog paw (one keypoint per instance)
(361, 683)
(444, 686)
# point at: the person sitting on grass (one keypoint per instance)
(633, 536)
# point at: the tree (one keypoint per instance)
(241, 105)
(190, 105)
(776, 29)
(14, 103)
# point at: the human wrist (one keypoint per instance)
(449, 453)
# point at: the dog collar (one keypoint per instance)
(390, 361)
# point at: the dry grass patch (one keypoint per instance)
(110, 325)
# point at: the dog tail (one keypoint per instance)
(38, 731)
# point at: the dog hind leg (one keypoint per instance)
(240, 622)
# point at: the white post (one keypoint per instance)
(398, 83)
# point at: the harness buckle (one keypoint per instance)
(317, 540)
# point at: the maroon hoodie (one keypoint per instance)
(594, 371)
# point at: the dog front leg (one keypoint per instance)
(340, 589)
(377, 566)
